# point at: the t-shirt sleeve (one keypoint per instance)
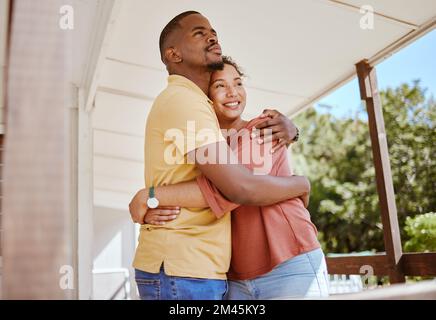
(191, 123)
(218, 204)
(282, 163)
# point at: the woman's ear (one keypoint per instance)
(173, 55)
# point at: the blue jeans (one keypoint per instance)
(159, 286)
(302, 277)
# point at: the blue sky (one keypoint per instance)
(416, 61)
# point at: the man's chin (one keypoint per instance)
(216, 66)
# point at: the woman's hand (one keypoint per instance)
(283, 129)
(161, 215)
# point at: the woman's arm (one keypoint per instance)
(188, 194)
(238, 184)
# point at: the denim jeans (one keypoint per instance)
(159, 286)
(301, 277)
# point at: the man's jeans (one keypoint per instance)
(159, 286)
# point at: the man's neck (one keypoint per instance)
(201, 79)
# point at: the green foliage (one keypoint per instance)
(422, 233)
(336, 155)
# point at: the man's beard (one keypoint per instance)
(215, 66)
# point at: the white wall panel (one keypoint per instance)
(120, 114)
(118, 145)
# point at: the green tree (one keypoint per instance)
(421, 230)
(336, 155)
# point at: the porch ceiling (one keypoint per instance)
(294, 52)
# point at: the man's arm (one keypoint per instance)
(189, 194)
(280, 127)
(171, 198)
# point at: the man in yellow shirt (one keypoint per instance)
(188, 258)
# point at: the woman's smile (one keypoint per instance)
(233, 105)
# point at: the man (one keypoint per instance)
(189, 257)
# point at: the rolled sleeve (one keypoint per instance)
(217, 203)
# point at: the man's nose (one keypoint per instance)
(212, 38)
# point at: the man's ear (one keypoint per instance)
(173, 55)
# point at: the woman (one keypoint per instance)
(275, 251)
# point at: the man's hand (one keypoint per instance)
(138, 206)
(141, 214)
(161, 215)
(283, 129)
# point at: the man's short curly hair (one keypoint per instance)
(169, 28)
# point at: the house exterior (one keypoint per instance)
(78, 80)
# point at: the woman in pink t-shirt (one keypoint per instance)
(275, 251)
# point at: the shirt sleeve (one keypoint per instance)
(217, 203)
(282, 163)
(190, 123)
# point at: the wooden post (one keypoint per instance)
(385, 189)
(37, 251)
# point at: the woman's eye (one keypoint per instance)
(219, 86)
(239, 84)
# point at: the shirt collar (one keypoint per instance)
(179, 80)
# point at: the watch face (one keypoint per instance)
(152, 203)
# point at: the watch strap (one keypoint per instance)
(151, 192)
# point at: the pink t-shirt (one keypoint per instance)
(262, 237)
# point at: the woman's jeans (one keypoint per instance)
(302, 277)
(159, 286)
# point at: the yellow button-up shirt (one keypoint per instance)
(196, 244)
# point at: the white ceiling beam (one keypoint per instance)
(378, 14)
(102, 31)
(374, 60)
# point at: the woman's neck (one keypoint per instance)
(237, 124)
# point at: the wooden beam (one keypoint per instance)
(413, 264)
(419, 264)
(353, 264)
(385, 189)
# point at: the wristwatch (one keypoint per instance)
(152, 201)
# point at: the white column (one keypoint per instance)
(85, 200)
